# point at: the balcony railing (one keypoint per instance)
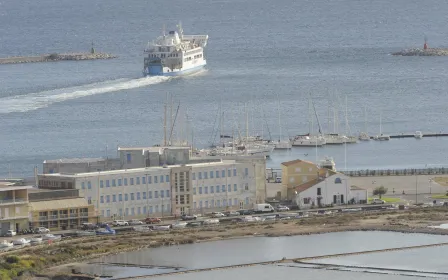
(63, 216)
(53, 217)
(11, 201)
(83, 214)
(43, 218)
(73, 215)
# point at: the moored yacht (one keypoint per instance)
(308, 141)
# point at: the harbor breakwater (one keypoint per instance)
(423, 52)
(56, 57)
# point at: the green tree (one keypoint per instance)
(380, 191)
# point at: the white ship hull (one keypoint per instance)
(309, 141)
(282, 145)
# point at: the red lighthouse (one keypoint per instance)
(425, 45)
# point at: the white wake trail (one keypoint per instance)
(38, 100)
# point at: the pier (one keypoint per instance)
(396, 172)
(56, 57)
(423, 52)
(395, 136)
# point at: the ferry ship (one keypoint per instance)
(175, 54)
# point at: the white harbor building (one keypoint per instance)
(163, 190)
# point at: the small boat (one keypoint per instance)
(161, 228)
(418, 135)
(51, 237)
(363, 136)
(382, 137)
(36, 239)
(21, 241)
(6, 244)
(178, 225)
(85, 233)
(142, 228)
(211, 221)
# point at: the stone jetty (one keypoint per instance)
(56, 57)
(423, 52)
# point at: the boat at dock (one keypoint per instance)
(418, 135)
(308, 141)
(175, 54)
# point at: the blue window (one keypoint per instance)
(128, 158)
(234, 172)
(211, 174)
(167, 193)
(114, 183)
(200, 204)
(156, 194)
(132, 196)
(125, 181)
(217, 174)
(194, 176)
(150, 209)
(338, 181)
(224, 202)
(138, 196)
(144, 209)
(223, 188)
(150, 194)
(167, 178)
(107, 183)
(83, 186)
(114, 198)
(149, 180)
(235, 201)
(162, 194)
(235, 188)
(132, 181)
(155, 180)
(107, 198)
(126, 212)
(200, 175)
(144, 195)
(119, 182)
(132, 211)
(223, 173)
(89, 185)
(205, 189)
(101, 184)
(229, 173)
(217, 189)
(194, 190)
(138, 181)
(246, 171)
(125, 197)
(161, 178)
(219, 203)
(101, 199)
(139, 210)
(247, 201)
(230, 202)
(229, 188)
(200, 190)
(205, 175)
(144, 181)
(212, 189)
(120, 197)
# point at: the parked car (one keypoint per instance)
(88, 226)
(282, 208)
(135, 222)
(120, 223)
(378, 201)
(185, 217)
(232, 213)
(150, 220)
(245, 212)
(102, 225)
(11, 233)
(217, 215)
(43, 230)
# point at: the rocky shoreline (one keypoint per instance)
(423, 52)
(56, 57)
(49, 258)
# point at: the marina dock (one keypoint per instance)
(412, 135)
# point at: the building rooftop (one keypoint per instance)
(8, 186)
(74, 160)
(307, 185)
(144, 169)
(356, 188)
(58, 204)
(288, 163)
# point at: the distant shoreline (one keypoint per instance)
(56, 57)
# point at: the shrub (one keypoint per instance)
(12, 259)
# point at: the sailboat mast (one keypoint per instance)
(247, 121)
(279, 122)
(365, 118)
(164, 122)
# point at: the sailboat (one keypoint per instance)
(309, 140)
(364, 136)
(381, 136)
(281, 144)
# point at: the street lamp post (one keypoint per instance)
(416, 188)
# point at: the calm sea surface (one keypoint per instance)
(259, 52)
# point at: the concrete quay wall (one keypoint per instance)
(56, 57)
